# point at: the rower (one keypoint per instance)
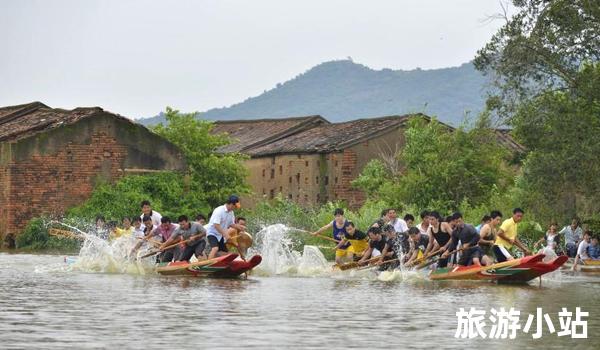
(425, 222)
(193, 240)
(439, 235)
(393, 246)
(488, 235)
(221, 220)
(127, 229)
(357, 239)
(138, 231)
(468, 236)
(376, 244)
(418, 245)
(239, 238)
(507, 237)
(339, 227)
(148, 233)
(484, 220)
(582, 249)
(147, 211)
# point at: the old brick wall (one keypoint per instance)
(311, 179)
(53, 171)
(356, 157)
(307, 179)
(53, 183)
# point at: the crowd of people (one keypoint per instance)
(452, 241)
(390, 239)
(180, 240)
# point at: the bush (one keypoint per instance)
(35, 237)
(166, 191)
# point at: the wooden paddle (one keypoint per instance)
(378, 264)
(318, 235)
(64, 233)
(165, 248)
(354, 264)
(430, 255)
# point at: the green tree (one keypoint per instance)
(213, 174)
(561, 129)
(541, 48)
(441, 168)
(544, 64)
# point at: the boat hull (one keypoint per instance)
(227, 266)
(516, 271)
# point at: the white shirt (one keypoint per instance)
(222, 217)
(155, 219)
(138, 233)
(582, 250)
(423, 230)
(399, 225)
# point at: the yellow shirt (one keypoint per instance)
(509, 227)
(119, 232)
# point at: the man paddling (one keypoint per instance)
(357, 240)
(239, 238)
(418, 245)
(220, 221)
(192, 236)
(338, 228)
(376, 244)
(468, 236)
(507, 237)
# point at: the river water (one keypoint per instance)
(45, 304)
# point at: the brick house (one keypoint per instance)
(50, 159)
(310, 160)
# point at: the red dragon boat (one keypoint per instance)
(515, 271)
(226, 266)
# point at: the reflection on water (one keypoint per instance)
(44, 304)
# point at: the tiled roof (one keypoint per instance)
(21, 121)
(331, 137)
(247, 134)
(505, 139)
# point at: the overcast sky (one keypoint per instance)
(136, 57)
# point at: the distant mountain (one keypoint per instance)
(344, 90)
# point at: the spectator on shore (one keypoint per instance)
(572, 235)
(425, 222)
(594, 249)
(410, 220)
(582, 249)
(153, 214)
(551, 238)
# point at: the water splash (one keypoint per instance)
(100, 255)
(275, 244)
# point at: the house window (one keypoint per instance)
(326, 180)
(318, 198)
(264, 172)
(306, 180)
(335, 180)
(290, 196)
(306, 198)
(299, 157)
(318, 163)
(272, 194)
(298, 178)
(290, 179)
(306, 163)
(264, 192)
(272, 173)
(281, 170)
(280, 189)
(290, 163)
(317, 180)
(336, 163)
(273, 161)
